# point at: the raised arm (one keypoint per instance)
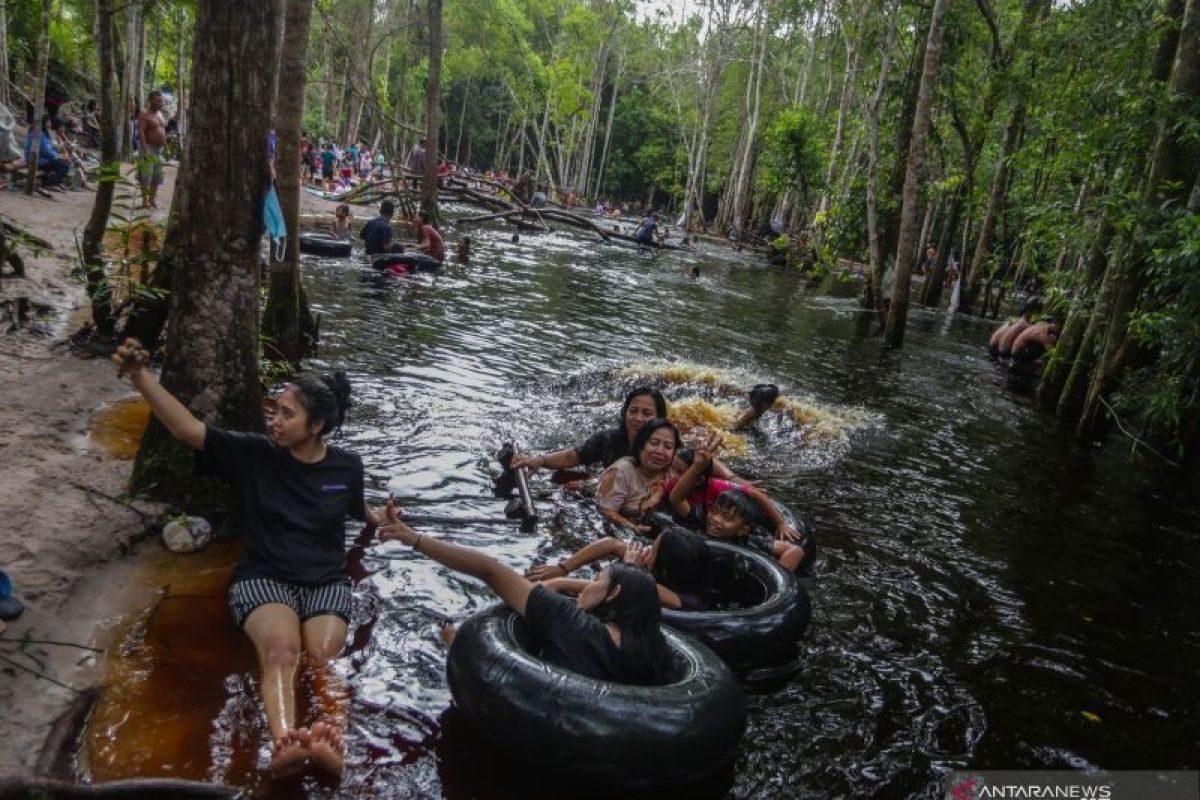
(132, 358)
(512, 588)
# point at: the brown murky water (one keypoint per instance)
(117, 427)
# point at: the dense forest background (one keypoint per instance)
(1029, 140)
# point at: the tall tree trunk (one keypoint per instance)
(93, 233)
(433, 110)
(802, 84)
(987, 230)
(3, 52)
(38, 94)
(214, 236)
(853, 57)
(873, 291)
(181, 91)
(597, 186)
(287, 321)
(898, 309)
(462, 119)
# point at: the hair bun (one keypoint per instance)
(339, 384)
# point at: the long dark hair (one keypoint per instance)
(646, 431)
(744, 507)
(660, 403)
(683, 561)
(324, 397)
(646, 658)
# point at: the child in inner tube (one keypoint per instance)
(678, 559)
(693, 494)
(611, 632)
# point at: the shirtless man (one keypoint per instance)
(1001, 343)
(153, 137)
(1034, 341)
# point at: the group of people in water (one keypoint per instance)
(292, 595)
(1022, 342)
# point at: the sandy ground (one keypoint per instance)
(65, 530)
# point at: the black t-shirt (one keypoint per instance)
(606, 446)
(603, 447)
(293, 515)
(570, 637)
(377, 234)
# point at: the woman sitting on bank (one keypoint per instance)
(627, 647)
(290, 591)
(632, 486)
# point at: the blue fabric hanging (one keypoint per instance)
(273, 220)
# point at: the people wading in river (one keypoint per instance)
(627, 647)
(290, 591)
(1001, 343)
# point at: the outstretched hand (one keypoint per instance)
(394, 527)
(530, 462)
(708, 448)
(130, 357)
(639, 555)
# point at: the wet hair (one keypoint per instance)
(683, 561)
(646, 431)
(660, 403)
(742, 505)
(387, 208)
(645, 656)
(324, 397)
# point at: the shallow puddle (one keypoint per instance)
(118, 426)
(176, 700)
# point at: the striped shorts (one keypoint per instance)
(334, 597)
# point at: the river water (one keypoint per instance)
(990, 594)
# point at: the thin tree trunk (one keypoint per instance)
(3, 52)
(462, 119)
(181, 91)
(286, 318)
(898, 310)
(853, 57)
(433, 111)
(213, 239)
(874, 289)
(38, 93)
(597, 187)
(802, 85)
(93, 233)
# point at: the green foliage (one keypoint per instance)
(792, 155)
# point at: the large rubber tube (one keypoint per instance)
(613, 734)
(762, 612)
(406, 262)
(322, 244)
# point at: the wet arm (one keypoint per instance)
(512, 587)
(684, 487)
(559, 459)
(607, 547)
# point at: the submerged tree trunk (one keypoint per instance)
(93, 233)
(433, 111)
(3, 53)
(873, 291)
(213, 239)
(38, 95)
(287, 322)
(897, 315)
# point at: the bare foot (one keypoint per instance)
(291, 754)
(328, 750)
